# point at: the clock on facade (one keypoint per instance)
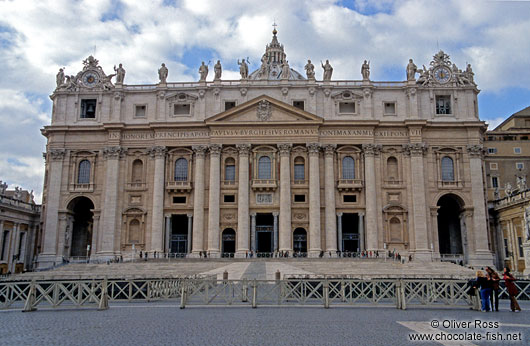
(90, 79)
(442, 74)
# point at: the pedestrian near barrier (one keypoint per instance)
(512, 289)
(484, 283)
(495, 279)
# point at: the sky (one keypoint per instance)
(37, 37)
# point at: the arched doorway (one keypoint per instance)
(449, 229)
(81, 209)
(228, 246)
(300, 241)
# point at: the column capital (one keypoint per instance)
(189, 216)
(329, 149)
(114, 152)
(371, 149)
(415, 149)
(275, 214)
(158, 151)
(434, 210)
(199, 150)
(244, 149)
(313, 148)
(339, 214)
(253, 214)
(285, 149)
(215, 149)
(56, 154)
(361, 214)
(475, 150)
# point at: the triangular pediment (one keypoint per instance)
(264, 110)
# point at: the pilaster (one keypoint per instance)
(329, 191)
(314, 199)
(198, 200)
(285, 197)
(370, 150)
(157, 226)
(243, 200)
(213, 201)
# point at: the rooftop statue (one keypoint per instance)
(203, 72)
(217, 69)
(411, 70)
(243, 68)
(286, 72)
(365, 70)
(328, 71)
(310, 70)
(120, 74)
(59, 79)
(162, 73)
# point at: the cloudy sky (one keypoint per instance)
(37, 37)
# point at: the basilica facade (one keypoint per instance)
(277, 161)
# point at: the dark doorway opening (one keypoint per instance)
(264, 233)
(300, 241)
(350, 232)
(179, 234)
(81, 208)
(229, 241)
(449, 232)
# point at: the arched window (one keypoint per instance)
(181, 170)
(395, 229)
(448, 171)
(137, 171)
(299, 168)
(348, 168)
(264, 167)
(83, 176)
(392, 168)
(134, 231)
(230, 169)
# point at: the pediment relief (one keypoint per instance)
(347, 95)
(446, 150)
(392, 149)
(181, 97)
(348, 149)
(180, 151)
(84, 153)
(134, 211)
(394, 208)
(264, 110)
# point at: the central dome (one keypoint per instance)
(272, 63)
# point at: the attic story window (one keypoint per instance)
(88, 109)
(181, 109)
(140, 111)
(347, 107)
(299, 104)
(229, 105)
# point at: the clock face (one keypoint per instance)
(442, 74)
(90, 79)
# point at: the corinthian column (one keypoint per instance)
(285, 198)
(157, 217)
(419, 209)
(482, 255)
(53, 197)
(198, 200)
(329, 181)
(370, 150)
(110, 204)
(243, 201)
(314, 199)
(213, 201)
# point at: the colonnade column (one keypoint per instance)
(243, 200)
(213, 201)
(1, 238)
(482, 255)
(168, 234)
(53, 194)
(198, 199)
(314, 199)
(253, 232)
(110, 201)
(419, 209)
(370, 150)
(361, 232)
(95, 233)
(285, 197)
(275, 230)
(339, 231)
(190, 223)
(14, 246)
(157, 216)
(329, 179)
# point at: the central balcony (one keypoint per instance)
(75, 187)
(349, 184)
(178, 186)
(264, 184)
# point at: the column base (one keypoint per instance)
(242, 254)
(423, 256)
(480, 259)
(313, 254)
(194, 254)
(214, 254)
(45, 261)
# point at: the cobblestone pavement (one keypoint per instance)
(163, 323)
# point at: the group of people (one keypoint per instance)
(489, 287)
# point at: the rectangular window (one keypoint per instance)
(493, 166)
(492, 150)
(229, 198)
(299, 198)
(349, 198)
(229, 105)
(140, 111)
(179, 199)
(516, 150)
(88, 109)
(494, 182)
(299, 172)
(299, 104)
(181, 109)
(506, 252)
(519, 165)
(346, 107)
(230, 172)
(390, 108)
(520, 241)
(443, 104)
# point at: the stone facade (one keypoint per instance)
(19, 229)
(270, 162)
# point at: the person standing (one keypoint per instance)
(495, 279)
(484, 283)
(512, 289)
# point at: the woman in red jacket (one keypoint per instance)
(512, 289)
